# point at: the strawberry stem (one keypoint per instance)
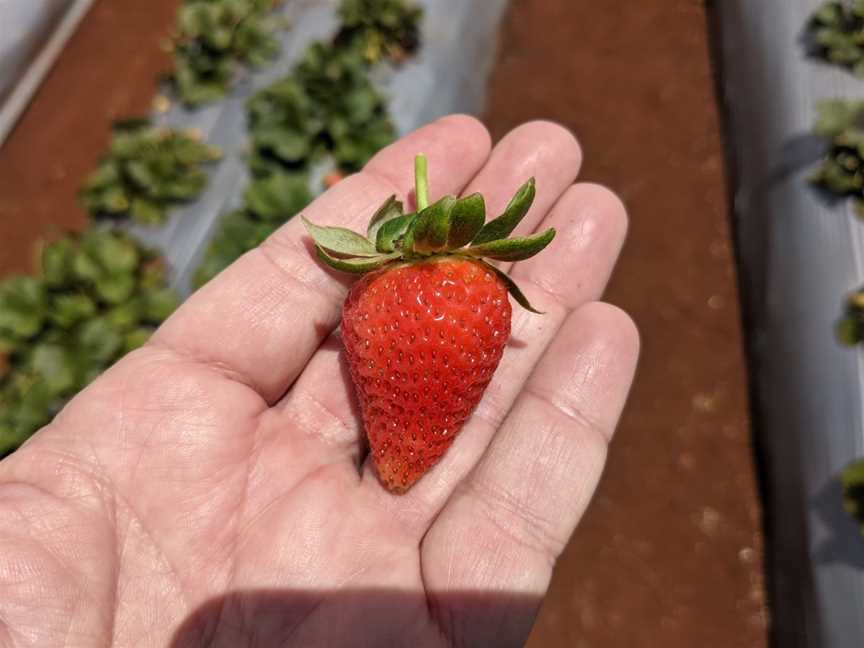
(421, 180)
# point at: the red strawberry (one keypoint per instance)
(333, 178)
(424, 330)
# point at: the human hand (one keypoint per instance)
(208, 490)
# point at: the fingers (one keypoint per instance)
(260, 320)
(573, 270)
(507, 523)
(543, 150)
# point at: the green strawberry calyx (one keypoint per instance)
(448, 227)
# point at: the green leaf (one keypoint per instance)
(431, 229)
(391, 209)
(100, 341)
(116, 254)
(837, 115)
(466, 220)
(849, 330)
(69, 309)
(53, 364)
(136, 338)
(22, 307)
(57, 262)
(514, 290)
(341, 241)
(147, 212)
(279, 196)
(392, 230)
(115, 289)
(357, 265)
(513, 249)
(504, 225)
(124, 316)
(159, 304)
(852, 479)
(85, 267)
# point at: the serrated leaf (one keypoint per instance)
(516, 210)
(340, 241)
(466, 220)
(513, 249)
(357, 265)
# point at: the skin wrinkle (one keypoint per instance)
(46, 553)
(218, 367)
(498, 505)
(343, 422)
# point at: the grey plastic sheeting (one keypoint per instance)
(24, 27)
(448, 75)
(799, 256)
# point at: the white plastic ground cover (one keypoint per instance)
(798, 258)
(447, 75)
(32, 35)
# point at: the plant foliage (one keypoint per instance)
(841, 172)
(380, 29)
(852, 479)
(269, 202)
(97, 296)
(836, 30)
(327, 107)
(146, 171)
(214, 39)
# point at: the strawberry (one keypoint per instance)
(425, 327)
(332, 178)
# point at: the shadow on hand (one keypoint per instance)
(371, 617)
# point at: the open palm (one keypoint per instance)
(210, 489)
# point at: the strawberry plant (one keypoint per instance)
(380, 28)
(327, 107)
(850, 328)
(97, 296)
(147, 170)
(841, 174)
(214, 39)
(268, 203)
(852, 479)
(426, 325)
(836, 30)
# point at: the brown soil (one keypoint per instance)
(670, 553)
